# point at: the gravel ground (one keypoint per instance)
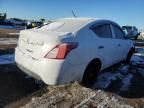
(7, 41)
(120, 86)
(14, 86)
(8, 38)
(74, 95)
(5, 33)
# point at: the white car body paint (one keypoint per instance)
(34, 44)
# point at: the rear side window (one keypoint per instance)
(103, 31)
(119, 34)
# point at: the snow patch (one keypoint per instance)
(7, 41)
(126, 82)
(138, 59)
(104, 80)
(124, 68)
(139, 54)
(6, 59)
(13, 33)
(139, 49)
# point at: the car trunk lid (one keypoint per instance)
(36, 43)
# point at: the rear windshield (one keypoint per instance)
(65, 25)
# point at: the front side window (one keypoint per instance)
(103, 31)
(119, 34)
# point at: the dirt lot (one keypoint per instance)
(14, 86)
(8, 41)
(4, 33)
(120, 86)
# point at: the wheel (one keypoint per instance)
(130, 55)
(91, 73)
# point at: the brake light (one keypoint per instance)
(61, 50)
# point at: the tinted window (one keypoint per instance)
(103, 31)
(118, 32)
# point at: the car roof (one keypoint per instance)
(84, 19)
(87, 20)
(75, 24)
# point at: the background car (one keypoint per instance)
(131, 31)
(72, 49)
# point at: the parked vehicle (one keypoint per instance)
(3, 16)
(16, 21)
(131, 31)
(6, 25)
(72, 49)
(33, 24)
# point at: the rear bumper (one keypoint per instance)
(48, 70)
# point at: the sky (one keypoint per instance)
(124, 12)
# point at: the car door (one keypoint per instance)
(105, 46)
(120, 41)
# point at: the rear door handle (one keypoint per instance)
(100, 47)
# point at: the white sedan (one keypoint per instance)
(72, 49)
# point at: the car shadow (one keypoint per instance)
(125, 80)
(14, 86)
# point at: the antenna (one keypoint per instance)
(74, 15)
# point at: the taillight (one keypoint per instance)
(61, 50)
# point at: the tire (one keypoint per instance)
(91, 73)
(130, 55)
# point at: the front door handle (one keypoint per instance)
(100, 47)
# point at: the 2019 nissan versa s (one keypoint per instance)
(72, 49)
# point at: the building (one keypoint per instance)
(3, 16)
